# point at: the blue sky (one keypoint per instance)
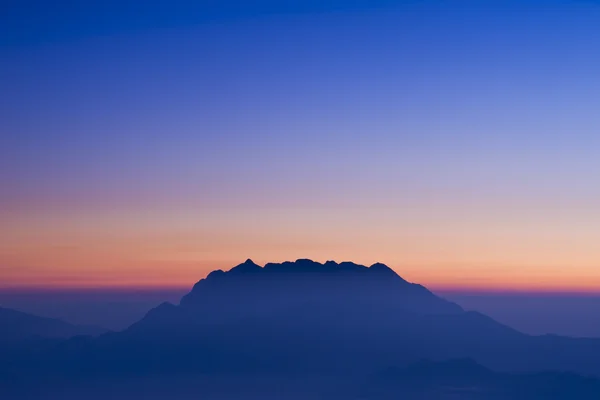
(457, 105)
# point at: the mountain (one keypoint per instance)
(341, 317)
(298, 316)
(297, 319)
(279, 286)
(464, 379)
(17, 325)
(334, 318)
(290, 289)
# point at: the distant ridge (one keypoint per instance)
(17, 325)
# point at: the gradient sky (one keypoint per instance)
(456, 141)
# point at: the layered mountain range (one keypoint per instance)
(303, 318)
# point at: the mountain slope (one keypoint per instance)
(293, 311)
(17, 325)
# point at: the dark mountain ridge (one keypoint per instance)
(288, 283)
(17, 325)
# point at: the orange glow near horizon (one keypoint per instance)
(522, 251)
(146, 152)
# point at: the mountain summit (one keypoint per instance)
(304, 281)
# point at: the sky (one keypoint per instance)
(146, 145)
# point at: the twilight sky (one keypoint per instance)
(456, 141)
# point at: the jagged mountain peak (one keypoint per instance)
(305, 266)
(301, 269)
(247, 266)
(293, 282)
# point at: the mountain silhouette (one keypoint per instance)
(293, 316)
(251, 291)
(278, 286)
(17, 325)
(301, 319)
(305, 316)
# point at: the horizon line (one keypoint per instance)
(438, 289)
